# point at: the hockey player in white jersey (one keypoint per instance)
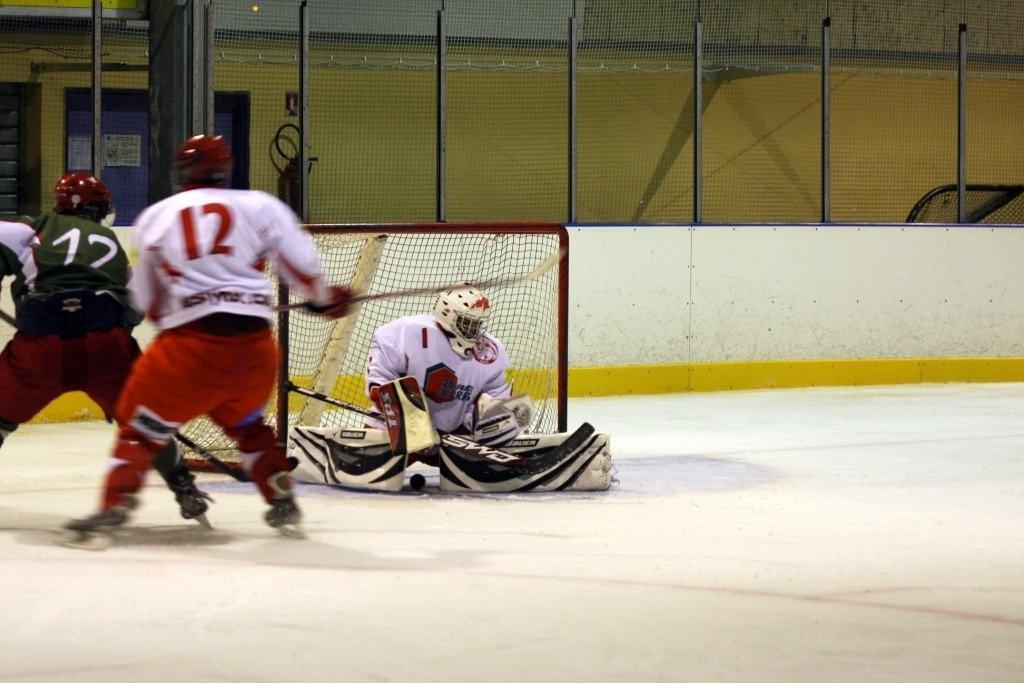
(200, 279)
(440, 386)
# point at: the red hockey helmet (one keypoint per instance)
(202, 161)
(82, 194)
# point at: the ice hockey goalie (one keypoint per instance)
(438, 382)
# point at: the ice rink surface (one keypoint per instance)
(825, 534)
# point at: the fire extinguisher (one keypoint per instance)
(287, 166)
(288, 185)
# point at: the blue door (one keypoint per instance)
(126, 138)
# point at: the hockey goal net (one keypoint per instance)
(329, 356)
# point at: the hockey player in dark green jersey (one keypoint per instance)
(74, 318)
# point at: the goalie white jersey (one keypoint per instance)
(203, 251)
(415, 346)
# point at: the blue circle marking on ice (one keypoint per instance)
(667, 475)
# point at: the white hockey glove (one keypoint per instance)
(498, 420)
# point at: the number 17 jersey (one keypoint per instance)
(203, 251)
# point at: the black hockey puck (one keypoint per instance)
(417, 481)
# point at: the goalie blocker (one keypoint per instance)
(375, 460)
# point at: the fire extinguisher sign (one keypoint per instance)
(291, 102)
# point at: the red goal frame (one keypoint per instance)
(556, 229)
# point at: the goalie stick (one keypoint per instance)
(493, 283)
(217, 463)
(463, 445)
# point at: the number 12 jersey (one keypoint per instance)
(203, 251)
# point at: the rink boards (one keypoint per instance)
(664, 308)
(675, 308)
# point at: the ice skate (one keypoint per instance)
(94, 532)
(285, 516)
(192, 502)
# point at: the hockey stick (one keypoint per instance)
(217, 463)
(493, 283)
(234, 472)
(332, 401)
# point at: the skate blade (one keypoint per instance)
(87, 540)
(291, 531)
(204, 523)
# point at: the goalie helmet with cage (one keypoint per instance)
(85, 195)
(461, 314)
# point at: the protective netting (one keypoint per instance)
(256, 78)
(995, 91)
(507, 109)
(373, 118)
(372, 114)
(762, 111)
(40, 56)
(330, 356)
(635, 111)
(894, 106)
(126, 118)
(46, 105)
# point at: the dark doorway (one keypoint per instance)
(126, 138)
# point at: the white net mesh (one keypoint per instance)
(330, 356)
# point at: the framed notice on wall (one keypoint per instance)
(122, 150)
(79, 153)
(118, 151)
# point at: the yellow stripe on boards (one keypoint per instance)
(668, 379)
(782, 374)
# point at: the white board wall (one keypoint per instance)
(678, 294)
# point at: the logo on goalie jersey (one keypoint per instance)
(440, 383)
(485, 351)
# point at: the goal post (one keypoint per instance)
(329, 356)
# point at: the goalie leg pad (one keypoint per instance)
(577, 461)
(354, 458)
(406, 416)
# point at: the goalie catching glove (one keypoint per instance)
(495, 421)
